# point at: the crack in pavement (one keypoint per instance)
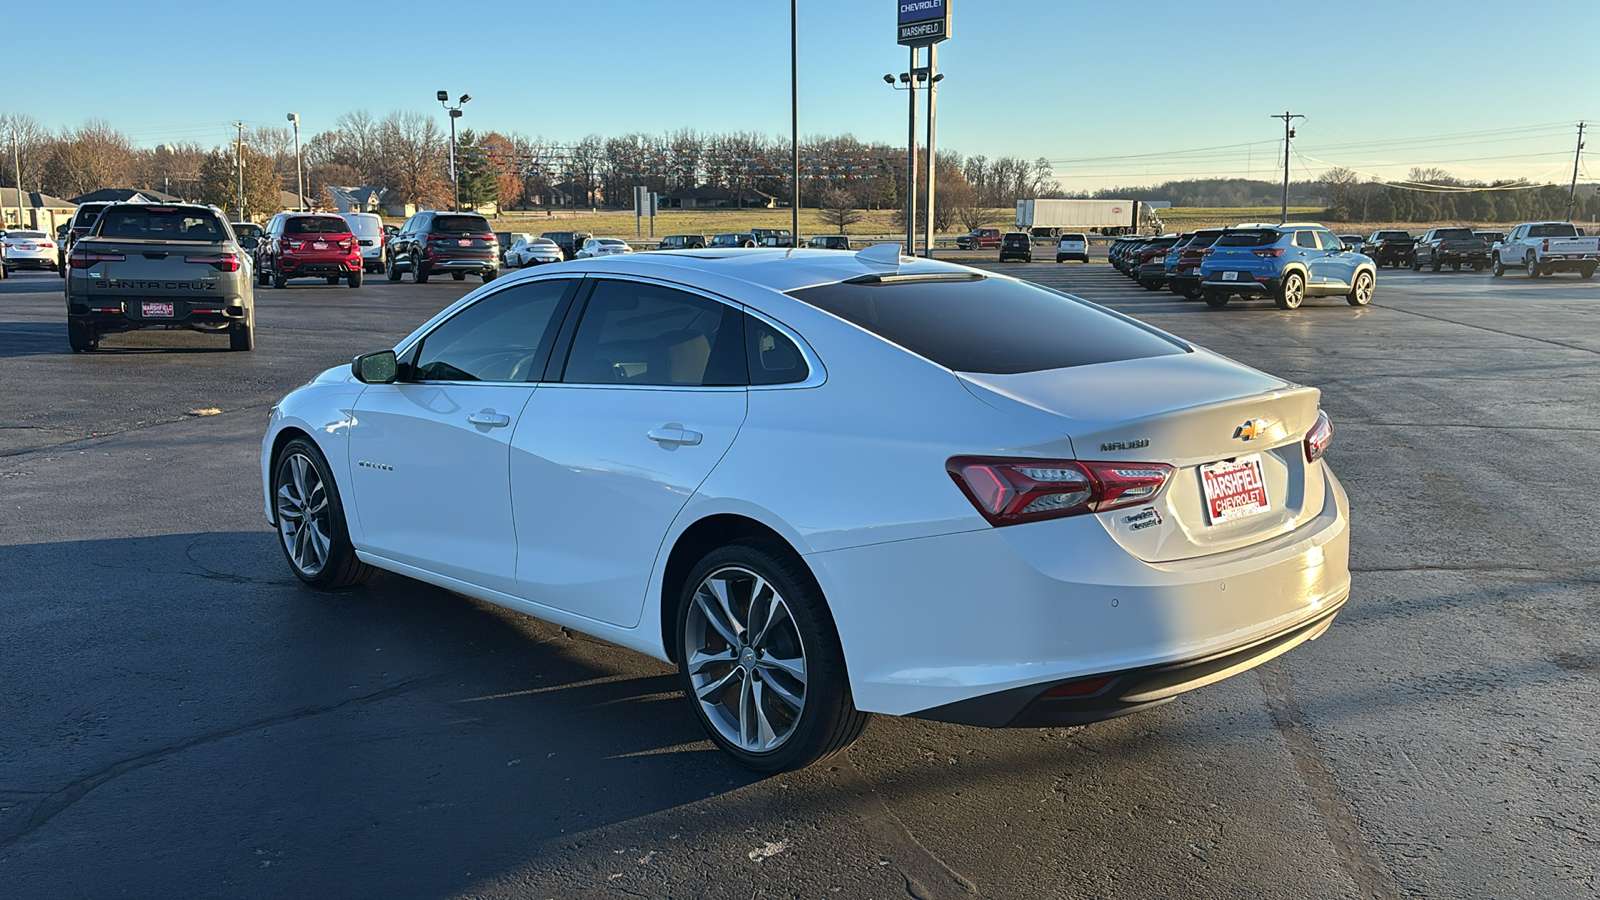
(60, 800)
(1339, 819)
(927, 876)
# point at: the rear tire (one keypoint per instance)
(1292, 292)
(81, 336)
(390, 271)
(458, 276)
(263, 279)
(354, 280)
(1586, 273)
(310, 517)
(417, 275)
(278, 280)
(1533, 268)
(333, 279)
(1216, 299)
(1437, 264)
(242, 336)
(790, 691)
(489, 275)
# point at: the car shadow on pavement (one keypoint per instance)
(178, 703)
(19, 339)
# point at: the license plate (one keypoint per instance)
(156, 310)
(1234, 489)
(1230, 276)
(464, 242)
(1569, 255)
(24, 246)
(319, 245)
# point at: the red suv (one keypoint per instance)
(308, 245)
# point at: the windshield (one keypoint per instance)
(995, 326)
(460, 225)
(1553, 229)
(316, 225)
(1250, 237)
(161, 223)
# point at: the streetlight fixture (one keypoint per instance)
(919, 78)
(455, 113)
(299, 173)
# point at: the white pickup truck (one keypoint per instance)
(1544, 248)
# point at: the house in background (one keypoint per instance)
(40, 212)
(127, 195)
(369, 199)
(708, 197)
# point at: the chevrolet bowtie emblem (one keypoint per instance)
(1250, 430)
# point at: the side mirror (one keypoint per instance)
(375, 368)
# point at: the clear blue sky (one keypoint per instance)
(1112, 92)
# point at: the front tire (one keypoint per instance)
(760, 661)
(1292, 292)
(1360, 292)
(310, 518)
(1498, 267)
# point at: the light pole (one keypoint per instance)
(166, 166)
(794, 120)
(909, 82)
(455, 113)
(16, 161)
(238, 157)
(299, 174)
(1288, 135)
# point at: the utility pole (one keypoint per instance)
(1288, 135)
(238, 159)
(299, 173)
(794, 117)
(910, 78)
(1572, 194)
(16, 161)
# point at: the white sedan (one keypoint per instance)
(527, 250)
(29, 250)
(597, 247)
(825, 484)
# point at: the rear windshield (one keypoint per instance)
(1072, 237)
(316, 225)
(1203, 239)
(364, 226)
(1553, 229)
(1454, 234)
(996, 326)
(25, 235)
(460, 225)
(1250, 237)
(161, 223)
(1394, 236)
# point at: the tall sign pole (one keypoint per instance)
(238, 158)
(299, 171)
(794, 115)
(921, 23)
(16, 161)
(1288, 135)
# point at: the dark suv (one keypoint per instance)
(308, 245)
(82, 221)
(1016, 245)
(570, 242)
(434, 242)
(682, 242)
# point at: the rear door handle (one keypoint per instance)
(490, 418)
(673, 433)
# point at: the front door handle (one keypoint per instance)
(673, 433)
(490, 418)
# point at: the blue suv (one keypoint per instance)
(1288, 263)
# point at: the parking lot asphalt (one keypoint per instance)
(180, 717)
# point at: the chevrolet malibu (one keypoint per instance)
(830, 484)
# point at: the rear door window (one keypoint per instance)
(993, 326)
(772, 357)
(1306, 239)
(634, 333)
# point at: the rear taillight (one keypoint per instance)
(1319, 437)
(1271, 252)
(47, 246)
(1546, 247)
(1207, 251)
(222, 262)
(285, 245)
(83, 259)
(438, 237)
(1012, 491)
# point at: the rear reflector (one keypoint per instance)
(1078, 688)
(1009, 491)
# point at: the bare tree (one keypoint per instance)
(414, 152)
(839, 208)
(1338, 183)
(92, 157)
(322, 176)
(33, 146)
(219, 183)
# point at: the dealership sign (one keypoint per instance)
(922, 22)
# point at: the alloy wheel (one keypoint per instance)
(746, 660)
(302, 506)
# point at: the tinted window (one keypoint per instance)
(773, 358)
(995, 326)
(161, 223)
(1552, 230)
(502, 337)
(1305, 239)
(634, 333)
(1072, 237)
(1453, 234)
(1249, 237)
(1393, 236)
(460, 225)
(366, 227)
(1203, 239)
(316, 225)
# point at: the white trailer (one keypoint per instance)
(1049, 218)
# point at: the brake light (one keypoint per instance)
(1546, 247)
(1207, 251)
(438, 237)
(46, 245)
(1271, 252)
(285, 245)
(1011, 491)
(1319, 437)
(222, 262)
(83, 259)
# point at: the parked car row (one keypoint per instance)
(1284, 262)
(1538, 248)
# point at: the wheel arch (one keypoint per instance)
(279, 441)
(702, 537)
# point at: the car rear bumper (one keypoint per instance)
(126, 313)
(1255, 285)
(31, 261)
(1152, 272)
(437, 263)
(295, 267)
(976, 627)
